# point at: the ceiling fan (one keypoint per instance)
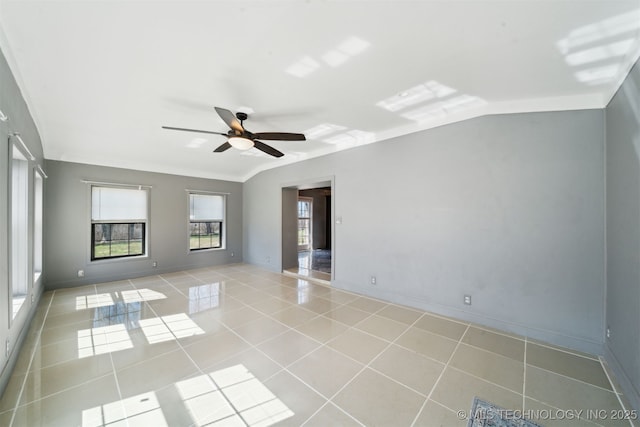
(241, 138)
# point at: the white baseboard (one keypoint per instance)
(581, 344)
(629, 391)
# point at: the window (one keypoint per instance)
(206, 220)
(118, 222)
(304, 223)
(38, 195)
(19, 228)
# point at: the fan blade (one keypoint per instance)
(194, 130)
(229, 119)
(265, 148)
(223, 147)
(280, 136)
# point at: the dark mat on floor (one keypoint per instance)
(485, 414)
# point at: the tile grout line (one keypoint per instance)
(513, 391)
(560, 409)
(32, 357)
(440, 376)
(285, 368)
(574, 379)
(196, 365)
(349, 327)
(324, 405)
(483, 380)
(615, 390)
(575, 353)
(115, 373)
(63, 389)
(368, 365)
(365, 365)
(524, 374)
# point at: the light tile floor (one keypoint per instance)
(239, 345)
(307, 260)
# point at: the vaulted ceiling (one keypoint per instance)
(101, 77)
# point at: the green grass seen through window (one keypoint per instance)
(204, 241)
(117, 249)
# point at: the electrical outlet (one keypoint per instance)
(374, 281)
(467, 299)
(155, 264)
(33, 298)
(80, 273)
(608, 332)
(232, 254)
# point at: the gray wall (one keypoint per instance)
(13, 105)
(623, 234)
(67, 225)
(289, 228)
(509, 209)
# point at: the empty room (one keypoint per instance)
(320, 213)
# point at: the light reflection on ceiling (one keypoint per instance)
(317, 132)
(196, 142)
(344, 51)
(330, 64)
(429, 101)
(340, 136)
(352, 138)
(598, 75)
(441, 109)
(303, 66)
(334, 57)
(598, 51)
(416, 95)
(594, 33)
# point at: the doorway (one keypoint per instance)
(307, 246)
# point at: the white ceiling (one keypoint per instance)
(102, 77)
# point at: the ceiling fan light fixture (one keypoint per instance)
(240, 143)
(240, 138)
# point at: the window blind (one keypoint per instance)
(206, 207)
(118, 204)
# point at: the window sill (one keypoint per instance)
(119, 259)
(199, 251)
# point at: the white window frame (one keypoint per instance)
(38, 223)
(146, 221)
(309, 245)
(223, 220)
(19, 262)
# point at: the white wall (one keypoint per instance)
(509, 209)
